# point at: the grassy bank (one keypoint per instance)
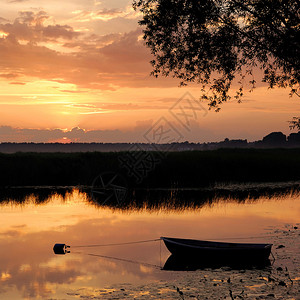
(174, 169)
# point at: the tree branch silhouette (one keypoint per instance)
(217, 42)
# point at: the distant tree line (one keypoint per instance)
(272, 140)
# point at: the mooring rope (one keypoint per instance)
(121, 259)
(115, 244)
(155, 240)
(160, 253)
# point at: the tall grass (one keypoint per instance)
(176, 169)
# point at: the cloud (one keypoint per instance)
(93, 42)
(98, 62)
(130, 106)
(104, 14)
(32, 27)
(3, 20)
(10, 134)
(76, 134)
(71, 91)
(18, 83)
(17, 1)
(8, 75)
(38, 48)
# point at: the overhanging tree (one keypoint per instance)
(217, 42)
(295, 123)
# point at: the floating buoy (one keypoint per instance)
(61, 249)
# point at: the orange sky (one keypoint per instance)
(82, 63)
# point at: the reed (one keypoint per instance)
(173, 169)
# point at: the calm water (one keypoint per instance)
(29, 228)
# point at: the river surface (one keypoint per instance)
(30, 227)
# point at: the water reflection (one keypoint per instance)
(32, 222)
(174, 263)
(156, 199)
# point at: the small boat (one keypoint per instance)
(218, 251)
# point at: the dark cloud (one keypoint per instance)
(30, 26)
(10, 134)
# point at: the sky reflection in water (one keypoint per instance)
(29, 268)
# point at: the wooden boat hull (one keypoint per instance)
(202, 250)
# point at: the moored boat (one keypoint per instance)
(202, 250)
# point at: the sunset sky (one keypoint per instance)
(78, 70)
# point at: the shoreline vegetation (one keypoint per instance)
(153, 200)
(186, 169)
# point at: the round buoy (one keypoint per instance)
(60, 249)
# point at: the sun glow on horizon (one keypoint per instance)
(89, 67)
